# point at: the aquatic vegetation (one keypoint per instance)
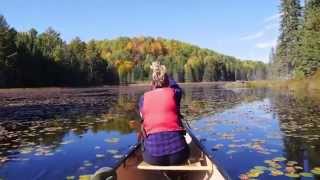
(279, 159)
(70, 177)
(26, 150)
(275, 169)
(291, 163)
(66, 142)
(262, 168)
(84, 177)
(253, 173)
(87, 163)
(292, 175)
(275, 172)
(231, 152)
(113, 151)
(266, 126)
(306, 174)
(100, 155)
(117, 156)
(310, 83)
(290, 170)
(316, 170)
(112, 140)
(3, 160)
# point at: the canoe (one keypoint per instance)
(199, 166)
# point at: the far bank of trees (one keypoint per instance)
(298, 50)
(29, 59)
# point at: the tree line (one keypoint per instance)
(29, 59)
(298, 49)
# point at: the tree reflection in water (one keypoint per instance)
(83, 122)
(299, 118)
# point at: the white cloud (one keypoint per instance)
(271, 26)
(255, 56)
(272, 18)
(253, 36)
(267, 44)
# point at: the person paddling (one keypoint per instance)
(164, 142)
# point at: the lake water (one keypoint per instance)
(58, 133)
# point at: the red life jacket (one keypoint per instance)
(160, 111)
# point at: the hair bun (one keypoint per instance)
(158, 74)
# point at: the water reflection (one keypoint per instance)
(46, 125)
(272, 135)
(76, 131)
(299, 118)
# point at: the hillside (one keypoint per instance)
(29, 59)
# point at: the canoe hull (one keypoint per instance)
(200, 166)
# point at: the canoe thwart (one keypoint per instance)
(184, 167)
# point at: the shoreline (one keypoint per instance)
(101, 86)
(311, 83)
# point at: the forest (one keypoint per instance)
(36, 59)
(33, 59)
(297, 54)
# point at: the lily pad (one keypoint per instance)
(279, 159)
(276, 172)
(112, 140)
(231, 152)
(87, 163)
(315, 171)
(275, 165)
(218, 146)
(66, 142)
(256, 170)
(70, 177)
(253, 174)
(292, 163)
(306, 174)
(292, 175)
(26, 150)
(268, 161)
(100, 155)
(117, 156)
(317, 168)
(290, 170)
(262, 168)
(112, 151)
(84, 177)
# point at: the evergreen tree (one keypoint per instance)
(7, 51)
(210, 69)
(188, 73)
(271, 64)
(287, 50)
(310, 48)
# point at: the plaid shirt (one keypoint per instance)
(164, 143)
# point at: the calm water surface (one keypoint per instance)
(60, 133)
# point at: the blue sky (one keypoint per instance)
(242, 28)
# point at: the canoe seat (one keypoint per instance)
(184, 167)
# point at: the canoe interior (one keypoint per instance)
(198, 167)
